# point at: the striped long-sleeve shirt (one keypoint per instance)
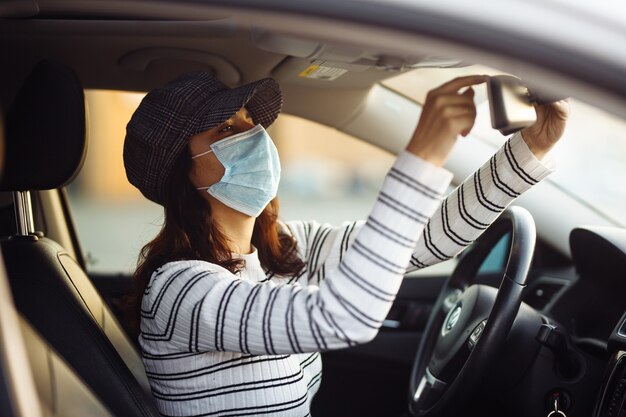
(221, 344)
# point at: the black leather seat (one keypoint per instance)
(45, 147)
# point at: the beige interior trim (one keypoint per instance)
(61, 392)
(13, 355)
(55, 220)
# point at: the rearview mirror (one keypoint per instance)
(510, 104)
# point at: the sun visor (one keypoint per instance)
(343, 57)
(167, 63)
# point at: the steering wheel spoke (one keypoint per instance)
(429, 390)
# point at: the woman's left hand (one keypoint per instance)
(548, 129)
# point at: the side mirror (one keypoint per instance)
(510, 104)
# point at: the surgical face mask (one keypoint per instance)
(251, 171)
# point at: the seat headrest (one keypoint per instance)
(45, 130)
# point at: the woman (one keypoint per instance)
(236, 306)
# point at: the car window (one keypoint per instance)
(593, 138)
(112, 219)
(327, 176)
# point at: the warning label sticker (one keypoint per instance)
(321, 72)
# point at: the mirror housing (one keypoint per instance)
(510, 104)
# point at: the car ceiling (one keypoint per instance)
(108, 41)
(140, 55)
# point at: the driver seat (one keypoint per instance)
(45, 148)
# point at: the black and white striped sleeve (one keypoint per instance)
(197, 306)
(478, 201)
(460, 219)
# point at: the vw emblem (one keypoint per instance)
(451, 319)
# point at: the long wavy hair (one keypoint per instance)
(188, 233)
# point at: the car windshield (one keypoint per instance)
(589, 156)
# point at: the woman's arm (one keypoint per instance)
(472, 207)
(446, 114)
(462, 217)
(458, 221)
(478, 201)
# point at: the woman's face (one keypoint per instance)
(206, 170)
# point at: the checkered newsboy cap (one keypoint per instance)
(160, 128)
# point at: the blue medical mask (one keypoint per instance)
(251, 171)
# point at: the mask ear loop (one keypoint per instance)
(198, 156)
(202, 154)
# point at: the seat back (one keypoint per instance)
(45, 143)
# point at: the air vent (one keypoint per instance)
(613, 402)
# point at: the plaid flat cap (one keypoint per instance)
(169, 116)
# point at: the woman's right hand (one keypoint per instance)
(445, 115)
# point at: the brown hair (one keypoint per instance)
(188, 233)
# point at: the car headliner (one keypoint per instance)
(93, 37)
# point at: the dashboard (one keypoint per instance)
(586, 372)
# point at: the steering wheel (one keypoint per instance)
(469, 323)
